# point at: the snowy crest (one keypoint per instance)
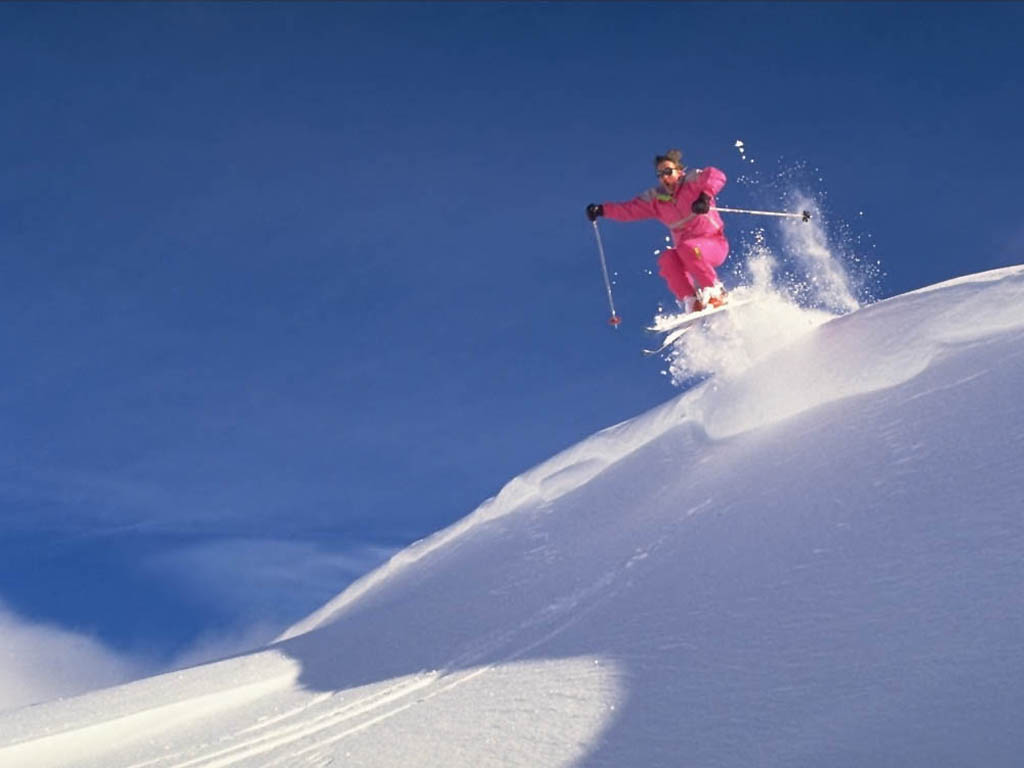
(825, 548)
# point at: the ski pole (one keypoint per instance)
(804, 215)
(614, 320)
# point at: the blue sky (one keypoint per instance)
(319, 273)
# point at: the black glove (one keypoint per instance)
(594, 210)
(702, 204)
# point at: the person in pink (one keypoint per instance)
(683, 202)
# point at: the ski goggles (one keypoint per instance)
(667, 171)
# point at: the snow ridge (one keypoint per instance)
(835, 363)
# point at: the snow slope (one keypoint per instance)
(812, 560)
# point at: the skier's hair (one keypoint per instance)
(672, 156)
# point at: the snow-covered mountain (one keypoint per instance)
(816, 557)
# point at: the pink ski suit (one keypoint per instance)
(700, 244)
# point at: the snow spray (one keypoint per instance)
(794, 276)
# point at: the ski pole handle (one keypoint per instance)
(614, 320)
(803, 215)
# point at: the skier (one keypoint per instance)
(682, 201)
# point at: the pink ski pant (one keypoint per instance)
(691, 264)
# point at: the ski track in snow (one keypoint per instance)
(294, 733)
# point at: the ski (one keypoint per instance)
(674, 326)
(671, 338)
(663, 323)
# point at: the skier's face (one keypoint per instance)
(669, 173)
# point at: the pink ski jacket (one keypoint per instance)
(673, 208)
